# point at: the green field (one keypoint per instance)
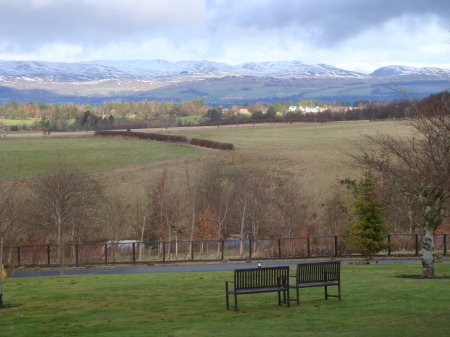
(313, 152)
(374, 303)
(19, 122)
(26, 157)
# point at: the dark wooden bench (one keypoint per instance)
(317, 274)
(259, 280)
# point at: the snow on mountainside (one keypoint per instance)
(297, 69)
(398, 70)
(59, 71)
(161, 70)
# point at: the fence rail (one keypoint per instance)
(136, 252)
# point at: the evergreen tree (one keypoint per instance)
(369, 231)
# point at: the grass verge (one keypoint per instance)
(375, 303)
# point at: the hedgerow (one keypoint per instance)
(143, 135)
(165, 138)
(211, 144)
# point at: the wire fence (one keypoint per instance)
(135, 252)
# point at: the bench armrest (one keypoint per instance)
(226, 285)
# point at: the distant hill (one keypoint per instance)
(217, 83)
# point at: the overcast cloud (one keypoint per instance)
(352, 34)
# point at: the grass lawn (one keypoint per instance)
(374, 303)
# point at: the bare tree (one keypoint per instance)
(418, 169)
(291, 202)
(61, 201)
(192, 196)
(215, 193)
(7, 217)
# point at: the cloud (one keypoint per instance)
(322, 22)
(345, 32)
(32, 23)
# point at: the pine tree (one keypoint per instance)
(369, 231)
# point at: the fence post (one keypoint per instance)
(76, 254)
(134, 252)
(18, 256)
(335, 246)
(445, 244)
(106, 253)
(279, 249)
(192, 251)
(164, 251)
(222, 246)
(309, 246)
(250, 248)
(389, 243)
(48, 254)
(417, 244)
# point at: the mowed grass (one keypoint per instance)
(375, 303)
(26, 157)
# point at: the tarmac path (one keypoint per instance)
(178, 268)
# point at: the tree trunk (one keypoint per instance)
(242, 233)
(1, 270)
(428, 253)
(60, 250)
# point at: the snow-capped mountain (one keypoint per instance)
(160, 69)
(296, 69)
(399, 70)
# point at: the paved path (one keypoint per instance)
(171, 268)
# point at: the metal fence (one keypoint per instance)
(134, 252)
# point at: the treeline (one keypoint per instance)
(149, 114)
(112, 115)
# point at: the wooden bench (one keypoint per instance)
(317, 274)
(259, 280)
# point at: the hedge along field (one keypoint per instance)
(24, 157)
(374, 303)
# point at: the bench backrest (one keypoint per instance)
(261, 277)
(318, 271)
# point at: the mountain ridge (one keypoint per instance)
(160, 69)
(216, 82)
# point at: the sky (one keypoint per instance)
(358, 35)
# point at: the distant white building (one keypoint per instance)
(312, 109)
(292, 108)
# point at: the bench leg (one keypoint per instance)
(326, 292)
(226, 295)
(339, 290)
(286, 298)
